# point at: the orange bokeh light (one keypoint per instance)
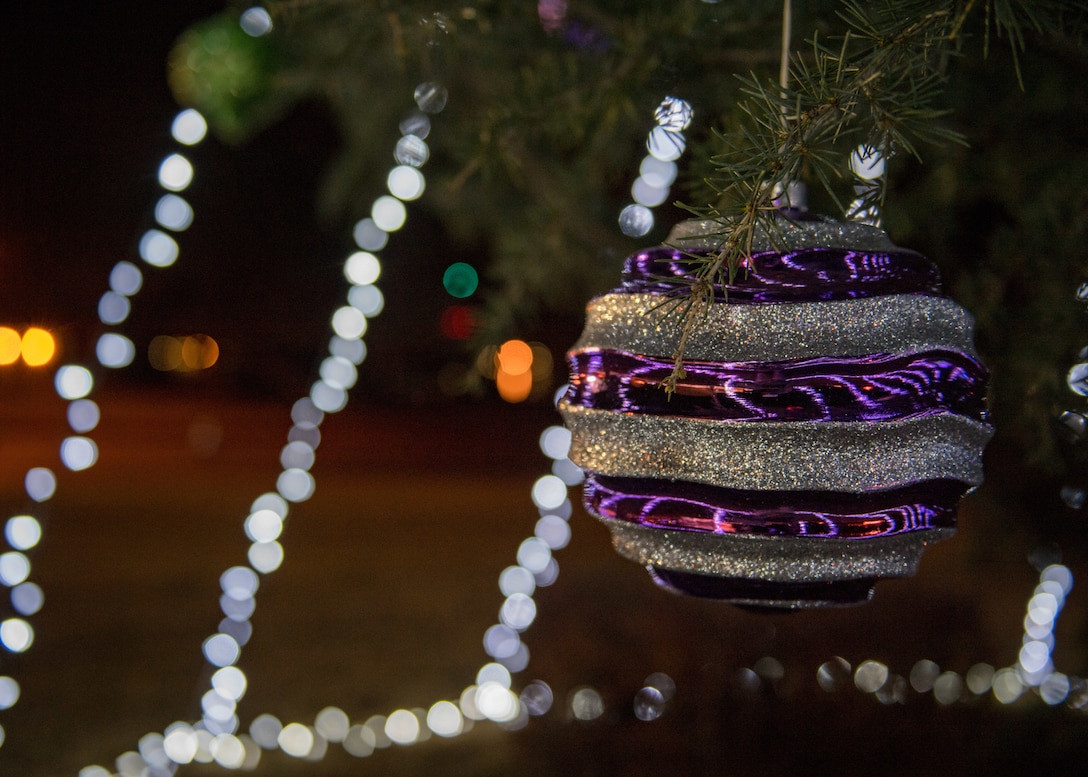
(514, 388)
(182, 354)
(11, 345)
(198, 352)
(37, 346)
(515, 357)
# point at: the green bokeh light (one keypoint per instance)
(461, 280)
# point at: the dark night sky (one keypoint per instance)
(85, 122)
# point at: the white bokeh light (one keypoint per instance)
(40, 483)
(115, 351)
(189, 127)
(402, 727)
(265, 557)
(126, 278)
(174, 213)
(406, 183)
(16, 635)
(369, 236)
(349, 323)
(78, 453)
(175, 173)
(549, 492)
(113, 308)
(388, 213)
(83, 415)
(296, 740)
(73, 381)
(221, 650)
(14, 568)
(256, 21)
(23, 532)
(158, 249)
(362, 268)
(295, 485)
(445, 719)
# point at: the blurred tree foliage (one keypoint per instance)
(549, 106)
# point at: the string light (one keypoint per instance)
(657, 171)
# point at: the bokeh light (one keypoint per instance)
(27, 598)
(14, 568)
(349, 323)
(40, 483)
(158, 249)
(296, 740)
(402, 727)
(83, 415)
(175, 173)
(113, 308)
(38, 347)
(457, 322)
(369, 236)
(189, 127)
(362, 268)
(174, 213)
(513, 370)
(295, 485)
(73, 381)
(515, 357)
(445, 719)
(496, 702)
(221, 650)
(16, 635)
(11, 345)
(332, 723)
(412, 151)
(126, 278)
(78, 453)
(359, 741)
(406, 183)
(9, 692)
(870, 676)
(114, 350)
(537, 697)
(256, 21)
(460, 280)
(388, 213)
(368, 299)
(23, 532)
(265, 557)
(199, 352)
(586, 704)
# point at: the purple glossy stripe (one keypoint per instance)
(807, 275)
(669, 504)
(876, 387)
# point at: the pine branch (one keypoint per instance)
(877, 86)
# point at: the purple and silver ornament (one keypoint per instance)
(831, 417)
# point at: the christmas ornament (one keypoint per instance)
(831, 416)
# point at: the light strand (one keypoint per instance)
(657, 171)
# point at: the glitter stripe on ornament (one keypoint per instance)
(785, 234)
(787, 456)
(701, 508)
(877, 387)
(651, 324)
(787, 560)
(806, 275)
